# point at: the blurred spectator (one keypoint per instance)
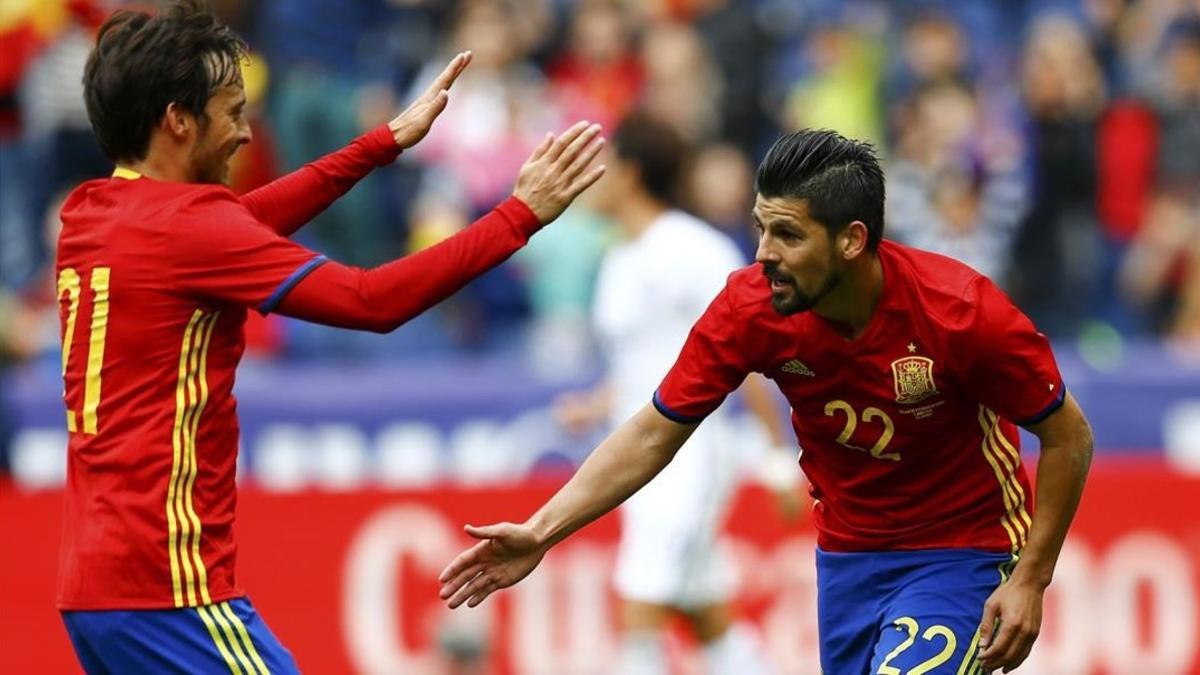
(499, 111)
(934, 52)
(598, 77)
(1101, 190)
(740, 48)
(842, 90)
(48, 143)
(682, 87)
(1162, 269)
(559, 269)
(946, 193)
(1060, 252)
(720, 190)
(332, 78)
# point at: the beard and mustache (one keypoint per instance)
(797, 301)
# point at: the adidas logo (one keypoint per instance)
(795, 367)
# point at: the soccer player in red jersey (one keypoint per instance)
(157, 266)
(907, 373)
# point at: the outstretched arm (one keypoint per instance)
(385, 297)
(1012, 616)
(289, 202)
(619, 467)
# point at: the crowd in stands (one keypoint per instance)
(1054, 146)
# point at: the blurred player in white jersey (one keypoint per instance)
(653, 285)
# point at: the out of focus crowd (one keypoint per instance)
(1054, 146)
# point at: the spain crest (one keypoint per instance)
(914, 379)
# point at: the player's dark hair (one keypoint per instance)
(839, 178)
(142, 63)
(658, 151)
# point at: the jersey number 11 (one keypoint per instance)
(69, 284)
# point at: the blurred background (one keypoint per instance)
(1054, 146)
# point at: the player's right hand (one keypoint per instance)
(507, 554)
(558, 171)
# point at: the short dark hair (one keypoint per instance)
(142, 63)
(839, 178)
(657, 149)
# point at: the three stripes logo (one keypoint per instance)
(795, 367)
(189, 576)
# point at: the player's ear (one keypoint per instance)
(853, 240)
(176, 121)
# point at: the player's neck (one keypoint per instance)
(638, 213)
(850, 306)
(165, 162)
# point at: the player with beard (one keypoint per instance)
(907, 373)
(157, 266)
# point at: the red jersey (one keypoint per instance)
(907, 433)
(154, 279)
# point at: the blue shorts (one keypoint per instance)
(897, 612)
(225, 637)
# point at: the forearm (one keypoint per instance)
(385, 297)
(628, 459)
(1061, 474)
(289, 202)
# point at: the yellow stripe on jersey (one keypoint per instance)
(175, 520)
(1008, 520)
(127, 174)
(189, 576)
(1016, 458)
(91, 387)
(204, 339)
(1016, 496)
(1011, 460)
(245, 635)
(68, 282)
(189, 467)
(220, 643)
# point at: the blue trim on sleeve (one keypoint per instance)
(304, 270)
(672, 415)
(1054, 405)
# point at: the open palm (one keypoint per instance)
(506, 555)
(410, 126)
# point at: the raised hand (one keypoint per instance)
(558, 171)
(410, 126)
(507, 554)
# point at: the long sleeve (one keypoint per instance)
(383, 298)
(289, 202)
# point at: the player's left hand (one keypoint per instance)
(1012, 618)
(410, 126)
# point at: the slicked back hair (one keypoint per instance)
(142, 63)
(658, 151)
(839, 178)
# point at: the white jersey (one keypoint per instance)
(649, 293)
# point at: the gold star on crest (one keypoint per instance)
(912, 348)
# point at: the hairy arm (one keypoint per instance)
(1012, 616)
(619, 467)
(1066, 454)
